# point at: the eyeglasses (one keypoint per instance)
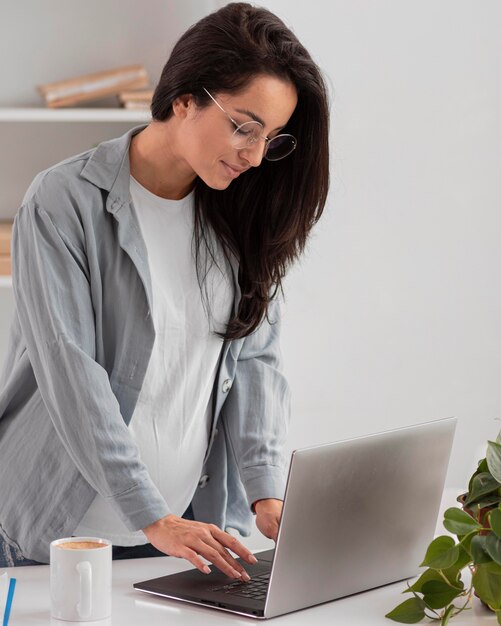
(247, 134)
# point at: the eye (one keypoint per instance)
(244, 132)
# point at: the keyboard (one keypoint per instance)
(256, 588)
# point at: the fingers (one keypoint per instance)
(215, 551)
(273, 530)
(217, 555)
(268, 525)
(191, 556)
(232, 543)
(195, 541)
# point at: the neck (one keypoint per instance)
(156, 164)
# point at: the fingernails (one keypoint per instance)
(236, 573)
(206, 569)
(245, 577)
(252, 558)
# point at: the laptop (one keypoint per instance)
(357, 514)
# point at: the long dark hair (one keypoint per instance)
(265, 216)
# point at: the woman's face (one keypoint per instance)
(205, 134)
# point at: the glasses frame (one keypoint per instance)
(250, 143)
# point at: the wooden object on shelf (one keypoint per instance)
(136, 95)
(93, 86)
(5, 237)
(139, 99)
(137, 106)
(5, 265)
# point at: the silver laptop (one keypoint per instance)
(357, 514)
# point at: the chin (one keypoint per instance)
(219, 185)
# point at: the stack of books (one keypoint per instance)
(94, 86)
(137, 99)
(5, 237)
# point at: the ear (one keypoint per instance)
(183, 106)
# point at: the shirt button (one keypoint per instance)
(226, 385)
(203, 481)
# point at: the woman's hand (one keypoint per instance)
(190, 540)
(268, 514)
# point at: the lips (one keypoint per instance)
(232, 170)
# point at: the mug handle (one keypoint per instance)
(84, 607)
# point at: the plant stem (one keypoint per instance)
(468, 600)
(446, 579)
(446, 615)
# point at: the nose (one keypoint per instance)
(254, 153)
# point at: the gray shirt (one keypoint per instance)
(78, 351)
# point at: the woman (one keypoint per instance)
(143, 389)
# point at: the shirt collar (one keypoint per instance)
(108, 168)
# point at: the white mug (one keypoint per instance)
(80, 579)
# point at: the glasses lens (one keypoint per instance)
(279, 147)
(247, 134)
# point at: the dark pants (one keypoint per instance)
(10, 556)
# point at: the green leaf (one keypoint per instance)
(441, 554)
(493, 458)
(458, 522)
(453, 574)
(478, 551)
(487, 583)
(409, 612)
(481, 467)
(466, 541)
(495, 521)
(488, 501)
(482, 484)
(438, 594)
(493, 547)
(432, 574)
(426, 576)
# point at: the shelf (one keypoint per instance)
(5, 281)
(38, 114)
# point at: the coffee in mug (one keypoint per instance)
(80, 579)
(81, 545)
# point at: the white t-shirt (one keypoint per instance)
(172, 418)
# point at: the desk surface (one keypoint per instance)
(132, 608)
(31, 605)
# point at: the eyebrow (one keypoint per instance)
(256, 118)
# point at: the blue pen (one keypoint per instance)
(10, 597)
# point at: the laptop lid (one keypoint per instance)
(358, 514)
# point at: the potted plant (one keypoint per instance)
(439, 593)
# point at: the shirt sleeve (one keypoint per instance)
(55, 309)
(257, 411)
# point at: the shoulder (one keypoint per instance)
(63, 194)
(59, 180)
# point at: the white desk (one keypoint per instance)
(31, 605)
(133, 608)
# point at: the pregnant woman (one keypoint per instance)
(142, 398)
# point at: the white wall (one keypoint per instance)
(394, 315)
